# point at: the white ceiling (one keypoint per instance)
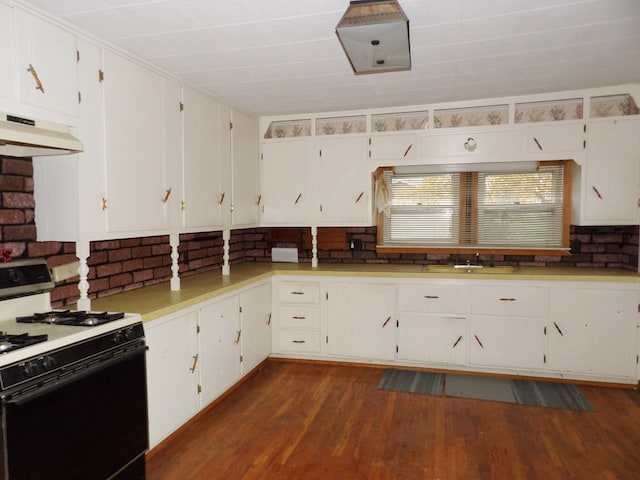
(272, 57)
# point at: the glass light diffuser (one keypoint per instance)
(375, 36)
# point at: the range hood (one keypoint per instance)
(26, 137)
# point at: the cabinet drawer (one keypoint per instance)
(299, 340)
(434, 298)
(299, 292)
(299, 316)
(509, 300)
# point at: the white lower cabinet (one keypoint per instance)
(255, 322)
(297, 316)
(361, 319)
(219, 338)
(593, 331)
(507, 325)
(197, 354)
(514, 343)
(558, 329)
(432, 338)
(432, 323)
(172, 379)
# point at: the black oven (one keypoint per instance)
(77, 413)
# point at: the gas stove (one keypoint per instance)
(29, 327)
(68, 371)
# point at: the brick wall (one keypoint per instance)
(126, 264)
(591, 247)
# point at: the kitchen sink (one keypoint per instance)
(475, 269)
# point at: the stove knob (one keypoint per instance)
(30, 369)
(129, 334)
(49, 363)
(118, 338)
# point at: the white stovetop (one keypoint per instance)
(58, 335)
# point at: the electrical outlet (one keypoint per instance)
(63, 272)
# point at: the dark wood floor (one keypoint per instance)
(315, 421)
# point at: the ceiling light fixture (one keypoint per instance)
(375, 36)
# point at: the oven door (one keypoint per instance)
(91, 426)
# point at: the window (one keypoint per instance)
(490, 208)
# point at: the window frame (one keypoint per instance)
(460, 248)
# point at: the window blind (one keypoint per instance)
(492, 209)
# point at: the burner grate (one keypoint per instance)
(9, 342)
(73, 318)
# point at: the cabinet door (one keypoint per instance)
(432, 338)
(499, 146)
(47, 64)
(206, 151)
(506, 341)
(219, 340)
(593, 331)
(172, 380)
(361, 320)
(9, 70)
(245, 170)
(345, 182)
(394, 147)
(140, 111)
(255, 320)
(612, 174)
(284, 182)
(549, 139)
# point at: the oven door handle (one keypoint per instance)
(74, 376)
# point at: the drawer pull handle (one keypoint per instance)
(297, 293)
(194, 363)
(259, 199)
(298, 317)
(167, 194)
(297, 199)
(34, 74)
(298, 341)
(221, 198)
(507, 299)
(407, 150)
(237, 341)
(455, 344)
(479, 342)
(269, 319)
(386, 321)
(597, 192)
(537, 143)
(558, 329)
(431, 296)
(359, 197)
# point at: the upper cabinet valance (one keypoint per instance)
(554, 110)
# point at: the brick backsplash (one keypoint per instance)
(126, 264)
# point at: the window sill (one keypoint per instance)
(472, 251)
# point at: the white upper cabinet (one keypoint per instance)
(245, 164)
(70, 190)
(7, 54)
(609, 192)
(548, 139)
(285, 196)
(344, 181)
(482, 146)
(47, 64)
(387, 148)
(206, 172)
(142, 134)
